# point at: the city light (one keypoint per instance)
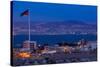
(24, 55)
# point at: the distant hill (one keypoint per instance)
(64, 27)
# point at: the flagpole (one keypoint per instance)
(29, 26)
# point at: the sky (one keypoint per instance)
(47, 12)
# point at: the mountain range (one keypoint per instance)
(54, 28)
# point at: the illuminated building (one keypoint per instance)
(30, 45)
(82, 43)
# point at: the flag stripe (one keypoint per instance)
(25, 13)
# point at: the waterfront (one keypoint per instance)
(52, 39)
(33, 54)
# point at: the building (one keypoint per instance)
(30, 45)
(82, 43)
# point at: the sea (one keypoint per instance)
(17, 40)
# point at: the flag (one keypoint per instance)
(25, 13)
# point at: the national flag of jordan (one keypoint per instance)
(25, 13)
